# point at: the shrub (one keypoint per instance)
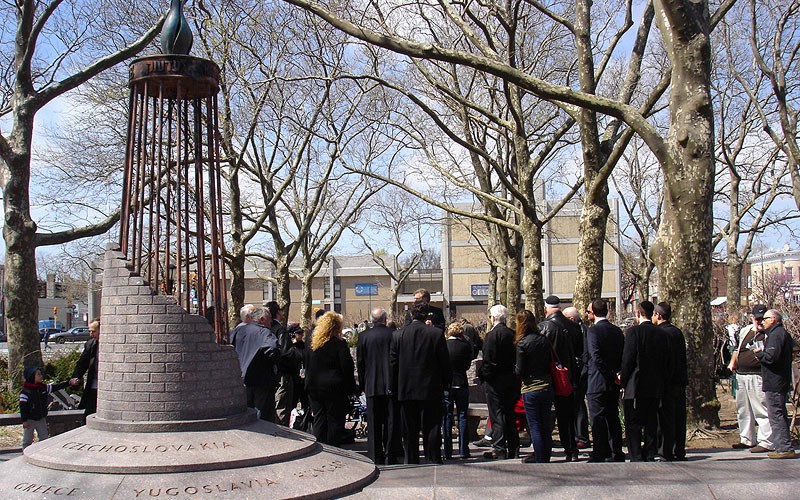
(56, 370)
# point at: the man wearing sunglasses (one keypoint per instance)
(776, 374)
(751, 406)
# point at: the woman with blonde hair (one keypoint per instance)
(329, 379)
(460, 351)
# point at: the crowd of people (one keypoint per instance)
(414, 378)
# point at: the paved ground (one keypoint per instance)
(709, 474)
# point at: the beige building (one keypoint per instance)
(781, 273)
(466, 241)
(348, 284)
(352, 285)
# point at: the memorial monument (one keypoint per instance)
(172, 419)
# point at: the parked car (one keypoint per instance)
(78, 333)
(48, 332)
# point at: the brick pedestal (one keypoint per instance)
(157, 362)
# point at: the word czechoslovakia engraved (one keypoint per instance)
(161, 448)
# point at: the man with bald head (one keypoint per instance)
(383, 412)
(567, 340)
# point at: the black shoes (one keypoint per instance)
(740, 446)
(572, 456)
(530, 459)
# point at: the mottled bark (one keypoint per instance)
(282, 280)
(533, 282)
(236, 259)
(683, 248)
(734, 282)
(236, 268)
(493, 285)
(594, 215)
(645, 271)
(512, 281)
(593, 222)
(305, 300)
(19, 231)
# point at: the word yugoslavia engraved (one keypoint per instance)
(204, 489)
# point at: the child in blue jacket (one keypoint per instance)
(33, 401)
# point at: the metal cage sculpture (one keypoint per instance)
(171, 222)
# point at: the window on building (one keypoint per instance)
(788, 273)
(337, 288)
(326, 287)
(337, 307)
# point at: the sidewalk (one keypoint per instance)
(709, 474)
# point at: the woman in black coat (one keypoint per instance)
(533, 368)
(329, 379)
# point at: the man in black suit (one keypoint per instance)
(420, 370)
(497, 373)
(567, 340)
(581, 412)
(646, 361)
(604, 344)
(435, 314)
(383, 412)
(672, 413)
(288, 366)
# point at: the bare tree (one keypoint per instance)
(754, 173)
(772, 33)
(54, 52)
(771, 288)
(288, 122)
(395, 232)
(638, 183)
(685, 153)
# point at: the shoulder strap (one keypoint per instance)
(552, 349)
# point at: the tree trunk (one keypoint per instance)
(594, 215)
(282, 280)
(394, 311)
(734, 281)
(683, 248)
(531, 234)
(593, 221)
(513, 274)
(19, 232)
(491, 299)
(236, 253)
(305, 299)
(236, 267)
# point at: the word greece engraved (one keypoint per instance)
(204, 489)
(161, 448)
(43, 489)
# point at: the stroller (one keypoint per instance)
(356, 419)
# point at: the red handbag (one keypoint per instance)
(562, 384)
